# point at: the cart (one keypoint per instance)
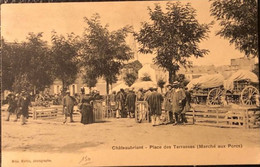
(204, 86)
(241, 88)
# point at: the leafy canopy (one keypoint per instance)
(105, 52)
(238, 21)
(65, 53)
(28, 61)
(173, 35)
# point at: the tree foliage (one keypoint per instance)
(65, 54)
(173, 35)
(105, 52)
(161, 84)
(239, 23)
(146, 77)
(182, 80)
(135, 65)
(28, 60)
(90, 79)
(130, 79)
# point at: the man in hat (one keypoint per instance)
(12, 105)
(120, 98)
(23, 103)
(68, 104)
(140, 95)
(168, 103)
(130, 103)
(155, 100)
(187, 106)
(178, 99)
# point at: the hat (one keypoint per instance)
(11, 94)
(169, 85)
(175, 83)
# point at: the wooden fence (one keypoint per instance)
(225, 117)
(42, 112)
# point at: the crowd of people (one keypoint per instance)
(19, 106)
(175, 103)
(84, 103)
(167, 108)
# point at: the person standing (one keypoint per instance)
(168, 103)
(155, 100)
(120, 98)
(68, 104)
(12, 106)
(187, 106)
(178, 99)
(130, 103)
(86, 109)
(140, 95)
(113, 104)
(23, 103)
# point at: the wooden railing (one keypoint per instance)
(225, 117)
(43, 112)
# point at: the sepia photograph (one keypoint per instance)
(129, 83)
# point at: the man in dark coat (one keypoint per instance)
(130, 103)
(168, 103)
(187, 106)
(120, 98)
(178, 99)
(12, 106)
(68, 104)
(155, 100)
(23, 103)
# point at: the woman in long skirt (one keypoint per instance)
(86, 110)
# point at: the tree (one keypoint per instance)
(65, 53)
(103, 51)
(239, 23)
(135, 65)
(161, 84)
(182, 80)
(29, 60)
(174, 35)
(130, 79)
(146, 77)
(90, 79)
(8, 77)
(40, 71)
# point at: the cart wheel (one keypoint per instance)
(214, 96)
(249, 96)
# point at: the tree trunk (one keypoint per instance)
(107, 86)
(170, 76)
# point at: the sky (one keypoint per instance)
(17, 20)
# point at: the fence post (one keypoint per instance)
(34, 113)
(217, 117)
(193, 116)
(247, 119)
(244, 119)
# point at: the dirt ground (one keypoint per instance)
(53, 136)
